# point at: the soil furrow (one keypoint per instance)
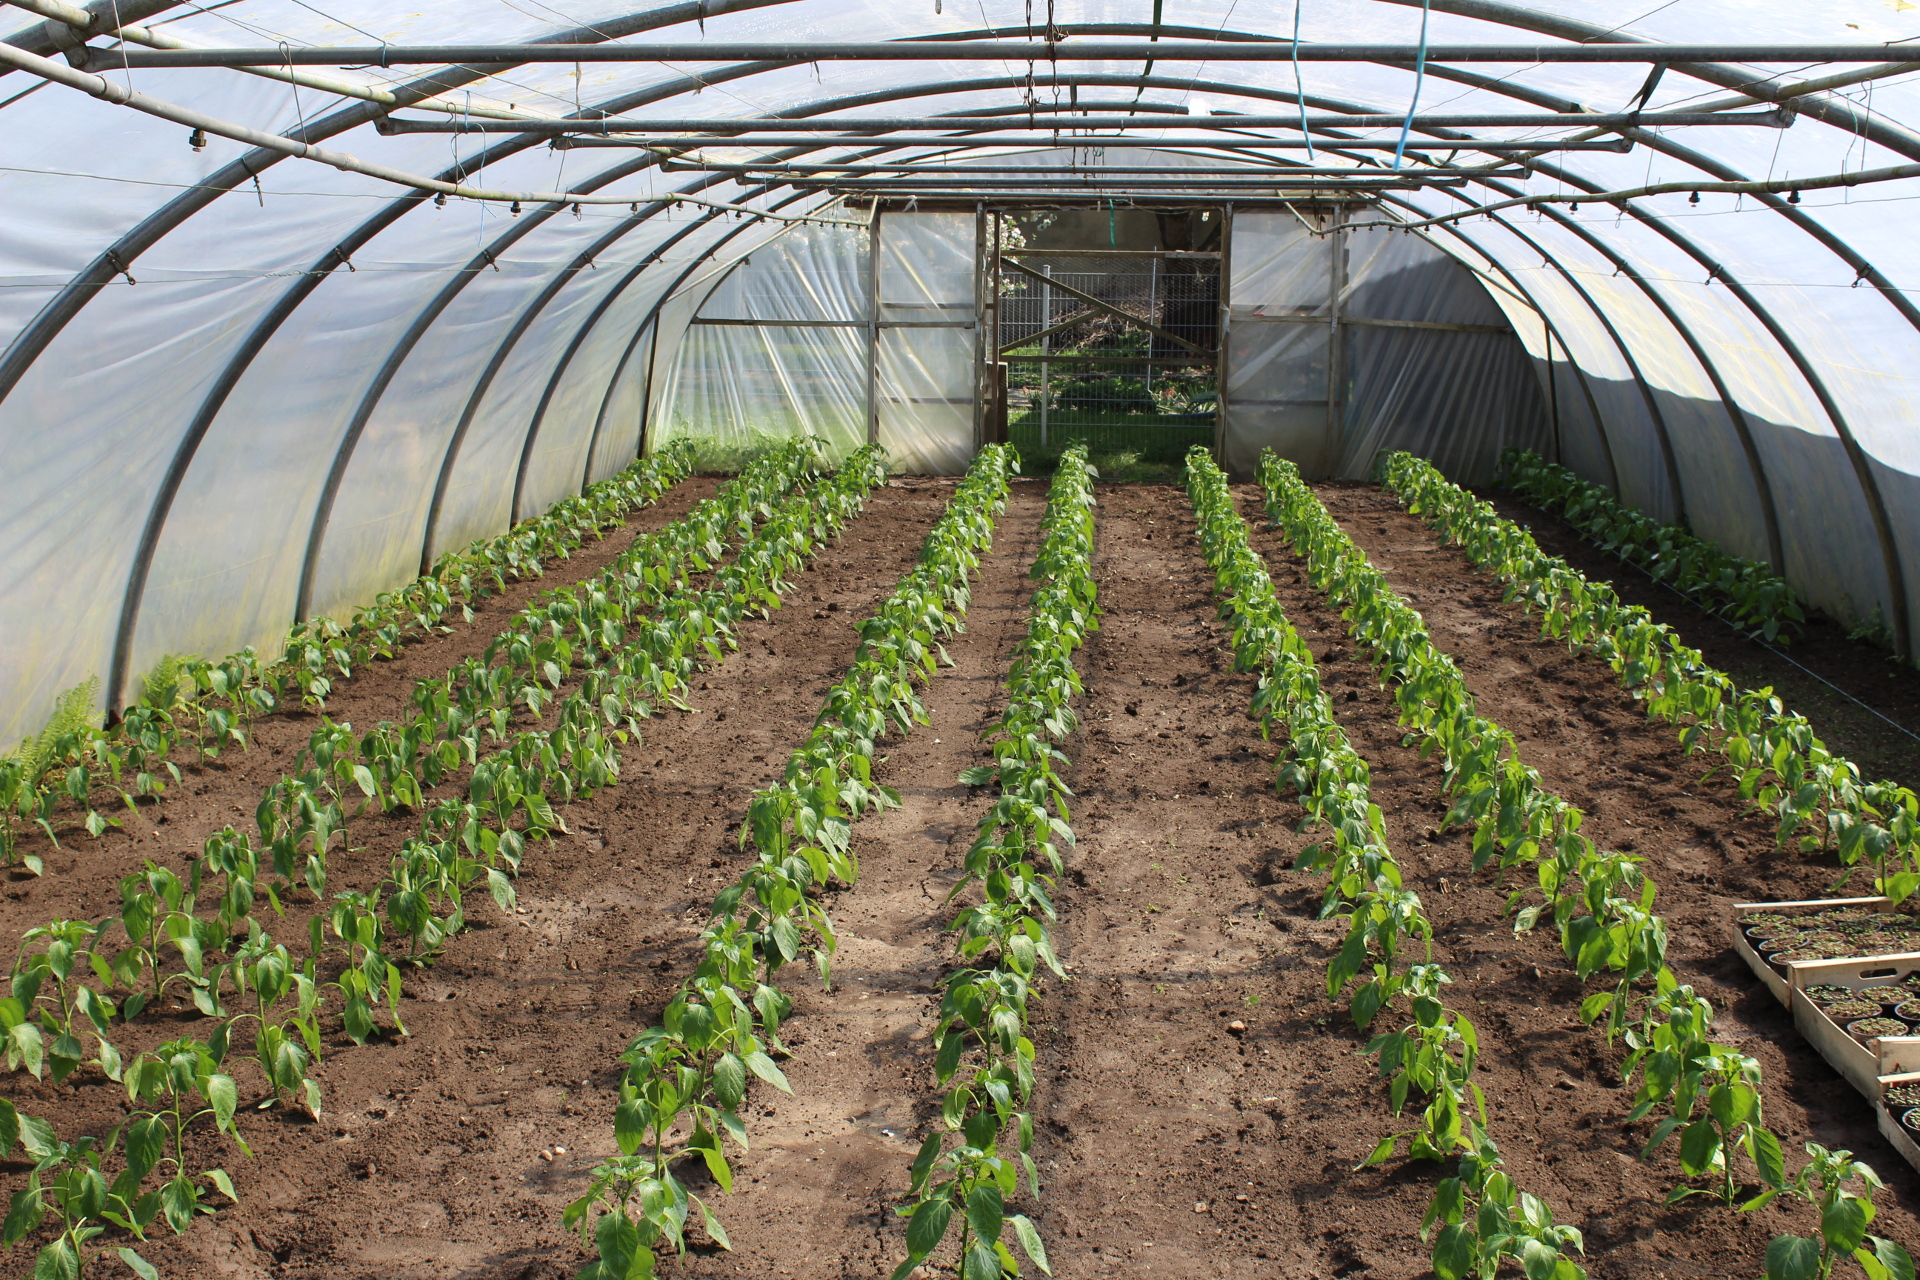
(428, 1160)
(1552, 1081)
(815, 1197)
(1187, 1078)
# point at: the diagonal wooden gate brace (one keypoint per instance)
(1092, 301)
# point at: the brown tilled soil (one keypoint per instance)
(1202, 1104)
(1862, 669)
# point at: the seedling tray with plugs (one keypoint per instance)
(1902, 1139)
(1776, 981)
(1862, 1064)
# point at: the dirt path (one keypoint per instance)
(815, 1197)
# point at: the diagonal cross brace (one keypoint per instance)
(1103, 305)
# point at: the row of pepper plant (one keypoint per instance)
(1746, 593)
(1601, 904)
(687, 1076)
(1818, 799)
(1484, 1219)
(73, 764)
(969, 1166)
(406, 918)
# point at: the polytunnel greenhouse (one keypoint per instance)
(810, 638)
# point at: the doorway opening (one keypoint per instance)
(1107, 329)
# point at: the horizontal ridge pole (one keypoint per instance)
(1538, 145)
(394, 55)
(851, 124)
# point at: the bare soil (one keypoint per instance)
(1175, 1142)
(1825, 675)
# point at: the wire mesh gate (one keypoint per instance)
(1117, 348)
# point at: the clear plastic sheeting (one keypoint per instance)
(1457, 396)
(778, 348)
(927, 298)
(1346, 344)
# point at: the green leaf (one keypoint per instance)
(223, 1183)
(1764, 1149)
(1793, 1258)
(1890, 1255)
(1029, 1237)
(1699, 1142)
(927, 1226)
(1844, 1223)
(730, 1080)
(501, 888)
(146, 1142)
(223, 1095)
(137, 1264)
(714, 1229)
(985, 1210)
(57, 1261)
(1453, 1252)
(981, 1263)
(761, 1065)
(978, 776)
(178, 1200)
(37, 1136)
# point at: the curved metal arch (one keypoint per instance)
(1620, 344)
(422, 322)
(1546, 318)
(565, 362)
(1862, 466)
(441, 81)
(1736, 413)
(34, 339)
(73, 297)
(579, 340)
(1862, 268)
(1819, 106)
(484, 383)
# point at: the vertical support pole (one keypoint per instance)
(644, 445)
(1153, 317)
(1046, 348)
(1553, 387)
(1336, 340)
(983, 379)
(1220, 368)
(873, 325)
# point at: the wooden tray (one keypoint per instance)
(1890, 1127)
(1862, 1065)
(1756, 962)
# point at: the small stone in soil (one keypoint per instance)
(1237, 1027)
(1199, 1206)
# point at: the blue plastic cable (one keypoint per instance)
(1299, 89)
(1419, 77)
